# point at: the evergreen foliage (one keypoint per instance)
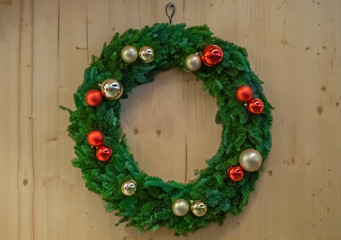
(151, 206)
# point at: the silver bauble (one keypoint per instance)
(146, 54)
(193, 62)
(180, 207)
(198, 208)
(111, 89)
(129, 54)
(250, 160)
(129, 188)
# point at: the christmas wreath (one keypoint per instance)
(109, 169)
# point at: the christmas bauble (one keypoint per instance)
(255, 106)
(111, 89)
(93, 98)
(250, 160)
(95, 138)
(180, 207)
(244, 93)
(193, 62)
(212, 55)
(146, 54)
(198, 208)
(129, 54)
(129, 188)
(236, 173)
(103, 153)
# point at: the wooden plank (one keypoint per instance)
(9, 97)
(51, 183)
(73, 58)
(26, 177)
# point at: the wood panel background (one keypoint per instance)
(294, 47)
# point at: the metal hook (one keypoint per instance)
(170, 5)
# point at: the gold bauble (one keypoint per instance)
(146, 54)
(180, 207)
(129, 188)
(193, 62)
(111, 89)
(129, 54)
(198, 208)
(250, 160)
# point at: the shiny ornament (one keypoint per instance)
(180, 207)
(146, 54)
(244, 93)
(212, 55)
(111, 89)
(198, 208)
(193, 62)
(129, 188)
(250, 160)
(95, 138)
(103, 153)
(93, 98)
(255, 106)
(129, 54)
(236, 173)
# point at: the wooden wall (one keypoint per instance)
(294, 47)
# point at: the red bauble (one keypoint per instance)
(255, 106)
(93, 98)
(212, 55)
(244, 93)
(103, 153)
(236, 173)
(95, 138)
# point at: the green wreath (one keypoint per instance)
(103, 156)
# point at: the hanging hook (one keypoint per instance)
(170, 5)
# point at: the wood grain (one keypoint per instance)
(294, 47)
